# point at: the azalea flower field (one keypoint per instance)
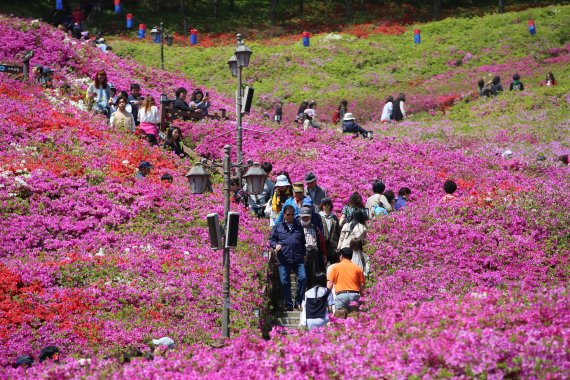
(96, 263)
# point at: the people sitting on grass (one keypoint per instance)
(173, 142)
(387, 110)
(355, 229)
(24, 361)
(185, 110)
(483, 89)
(144, 170)
(516, 84)
(549, 81)
(399, 110)
(340, 111)
(149, 119)
(99, 94)
(50, 353)
(180, 101)
(301, 111)
(135, 100)
(310, 116)
(121, 118)
(200, 103)
(278, 115)
(349, 125)
(317, 304)
(496, 86)
(167, 177)
(113, 103)
(403, 195)
(449, 187)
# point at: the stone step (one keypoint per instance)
(287, 318)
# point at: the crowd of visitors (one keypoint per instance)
(156, 347)
(494, 87)
(310, 240)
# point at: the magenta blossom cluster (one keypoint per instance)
(95, 263)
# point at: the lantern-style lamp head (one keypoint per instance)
(243, 53)
(198, 178)
(233, 64)
(154, 33)
(169, 40)
(163, 98)
(255, 178)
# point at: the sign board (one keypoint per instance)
(12, 69)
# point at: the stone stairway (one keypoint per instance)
(288, 319)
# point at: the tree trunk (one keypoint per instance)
(348, 10)
(232, 5)
(436, 9)
(184, 18)
(301, 6)
(501, 6)
(272, 12)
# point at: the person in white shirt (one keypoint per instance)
(149, 119)
(311, 116)
(317, 304)
(378, 198)
(388, 109)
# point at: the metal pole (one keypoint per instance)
(238, 113)
(226, 281)
(161, 47)
(239, 136)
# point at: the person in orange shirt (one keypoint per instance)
(348, 281)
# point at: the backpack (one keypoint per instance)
(379, 210)
(336, 117)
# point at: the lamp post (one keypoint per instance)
(199, 180)
(237, 61)
(156, 33)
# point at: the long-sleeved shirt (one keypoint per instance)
(151, 116)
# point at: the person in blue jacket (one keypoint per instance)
(288, 240)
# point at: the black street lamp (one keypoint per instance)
(155, 34)
(199, 179)
(239, 60)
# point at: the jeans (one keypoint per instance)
(285, 279)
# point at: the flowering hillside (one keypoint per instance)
(94, 262)
(365, 68)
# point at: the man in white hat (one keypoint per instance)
(350, 126)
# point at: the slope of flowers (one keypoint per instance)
(92, 261)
